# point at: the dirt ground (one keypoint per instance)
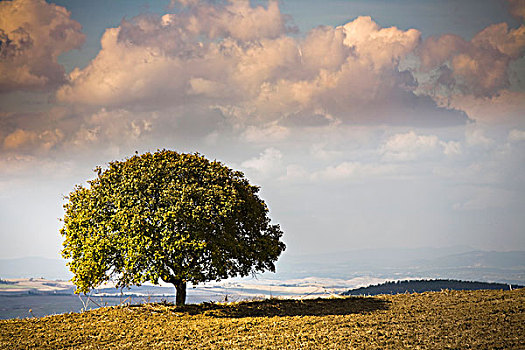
(435, 320)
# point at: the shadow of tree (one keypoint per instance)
(285, 307)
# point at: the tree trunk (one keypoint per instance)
(180, 292)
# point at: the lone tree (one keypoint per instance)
(167, 216)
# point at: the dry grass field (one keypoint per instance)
(436, 320)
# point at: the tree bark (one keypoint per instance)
(180, 292)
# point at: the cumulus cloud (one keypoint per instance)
(354, 170)
(403, 147)
(238, 20)
(475, 136)
(516, 135)
(452, 148)
(267, 163)
(202, 54)
(33, 34)
(105, 126)
(320, 151)
(240, 59)
(410, 146)
(22, 140)
(59, 131)
(379, 47)
(480, 66)
(295, 173)
(517, 8)
(208, 67)
(267, 133)
(508, 107)
(475, 76)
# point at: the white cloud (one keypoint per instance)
(320, 151)
(267, 163)
(411, 146)
(124, 74)
(517, 8)
(266, 133)
(451, 148)
(240, 60)
(112, 127)
(408, 146)
(478, 67)
(236, 19)
(209, 52)
(22, 140)
(508, 107)
(295, 173)
(33, 34)
(379, 47)
(475, 137)
(162, 78)
(353, 170)
(516, 135)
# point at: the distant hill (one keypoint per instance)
(452, 263)
(420, 286)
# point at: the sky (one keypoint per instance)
(367, 124)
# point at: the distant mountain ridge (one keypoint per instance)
(458, 263)
(421, 286)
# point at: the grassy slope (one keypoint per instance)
(448, 319)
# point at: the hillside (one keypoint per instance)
(421, 286)
(449, 319)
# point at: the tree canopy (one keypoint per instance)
(167, 216)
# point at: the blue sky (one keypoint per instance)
(366, 123)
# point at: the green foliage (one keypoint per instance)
(421, 286)
(164, 215)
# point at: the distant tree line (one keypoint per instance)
(420, 286)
